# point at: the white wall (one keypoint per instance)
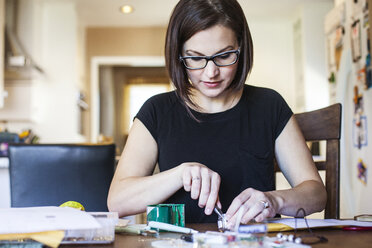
(273, 56)
(315, 71)
(274, 63)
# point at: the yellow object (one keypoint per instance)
(49, 238)
(73, 204)
(24, 134)
(278, 227)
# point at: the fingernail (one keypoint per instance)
(208, 211)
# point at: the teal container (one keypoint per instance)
(167, 213)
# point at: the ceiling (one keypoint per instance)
(101, 13)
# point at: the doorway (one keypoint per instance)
(123, 90)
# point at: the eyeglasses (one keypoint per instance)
(220, 59)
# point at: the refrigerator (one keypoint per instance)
(350, 83)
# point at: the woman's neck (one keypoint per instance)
(215, 104)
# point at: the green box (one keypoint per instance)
(167, 213)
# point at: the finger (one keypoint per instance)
(254, 210)
(195, 184)
(236, 218)
(187, 181)
(205, 189)
(237, 202)
(218, 202)
(213, 195)
(262, 216)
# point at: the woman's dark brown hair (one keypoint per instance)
(192, 16)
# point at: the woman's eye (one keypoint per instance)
(196, 58)
(225, 56)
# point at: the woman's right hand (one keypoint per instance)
(203, 184)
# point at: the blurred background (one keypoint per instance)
(77, 71)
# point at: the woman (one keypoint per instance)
(214, 137)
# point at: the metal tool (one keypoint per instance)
(221, 222)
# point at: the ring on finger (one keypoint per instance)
(195, 178)
(265, 204)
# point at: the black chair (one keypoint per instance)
(51, 174)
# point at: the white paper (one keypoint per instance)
(39, 219)
(319, 222)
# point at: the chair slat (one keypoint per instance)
(322, 124)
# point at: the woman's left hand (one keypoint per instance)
(257, 205)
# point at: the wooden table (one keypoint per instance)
(336, 238)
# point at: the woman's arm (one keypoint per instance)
(295, 161)
(297, 165)
(134, 187)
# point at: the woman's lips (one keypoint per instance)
(211, 84)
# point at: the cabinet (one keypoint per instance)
(18, 105)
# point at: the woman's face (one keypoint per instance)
(212, 80)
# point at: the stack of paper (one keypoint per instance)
(43, 224)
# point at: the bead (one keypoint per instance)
(290, 238)
(298, 240)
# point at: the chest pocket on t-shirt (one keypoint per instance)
(255, 151)
(258, 165)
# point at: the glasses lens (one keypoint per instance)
(227, 58)
(195, 62)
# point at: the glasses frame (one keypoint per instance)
(208, 58)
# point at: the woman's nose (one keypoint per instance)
(211, 69)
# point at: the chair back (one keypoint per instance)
(51, 174)
(325, 125)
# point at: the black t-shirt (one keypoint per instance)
(238, 143)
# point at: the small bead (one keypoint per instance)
(290, 238)
(298, 240)
(279, 235)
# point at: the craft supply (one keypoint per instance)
(167, 213)
(209, 239)
(239, 218)
(253, 228)
(221, 222)
(363, 217)
(357, 228)
(170, 227)
(171, 244)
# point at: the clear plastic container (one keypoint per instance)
(103, 235)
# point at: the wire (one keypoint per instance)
(318, 239)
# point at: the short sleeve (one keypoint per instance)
(147, 115)
(283, 114)
(154, 111)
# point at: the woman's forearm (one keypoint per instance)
(131, 195)
(309, 195)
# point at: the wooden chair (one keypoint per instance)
(325, 124)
